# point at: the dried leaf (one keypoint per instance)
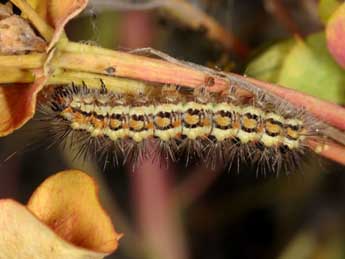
(63, 219)
(5, 10)
(17, 105)
(60, 12)
(17, 37)
(68, 203)
(56, 13)
(23, 235)
(335, 33)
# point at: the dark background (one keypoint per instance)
(214, 214)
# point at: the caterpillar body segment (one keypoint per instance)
(217, 128)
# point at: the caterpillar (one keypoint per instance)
(217, 128)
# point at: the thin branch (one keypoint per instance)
(98, 60)
(28, 61)
(115, 63)
(280, 12)
(115, 84)
(160, 225)
(92, 63)
(329, 150)
(182, 11)
(176, 72)
(325, 111)
(100, 5)
(194, 185)
(13, 75)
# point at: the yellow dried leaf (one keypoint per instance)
(63, 219)
(68, 203)
(23, 235)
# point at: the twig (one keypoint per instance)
(156, 211)
(97, 60)
(15, 76)
(115, 84)
(126, 6)
(182, 11)
(329, 150)
(29, 61)
(326, 111)
(74, 58)
(279, 10)
(115, 63)
(195, 185)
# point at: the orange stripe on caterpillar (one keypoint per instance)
(205, 122)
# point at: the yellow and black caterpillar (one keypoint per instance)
(216, 128)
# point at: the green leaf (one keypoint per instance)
(306, 66)
(326, 9)
(267, 66)
(310, 68)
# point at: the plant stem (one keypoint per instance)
(8, 76)
(75, 56)
(115, 84)
(127, 72)
(29, 61)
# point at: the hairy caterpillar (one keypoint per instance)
(216, 128)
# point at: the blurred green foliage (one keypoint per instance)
(304, 65)
(326, 8)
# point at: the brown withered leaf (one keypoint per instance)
(5, 10)
(17, 37)
(17, 105)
